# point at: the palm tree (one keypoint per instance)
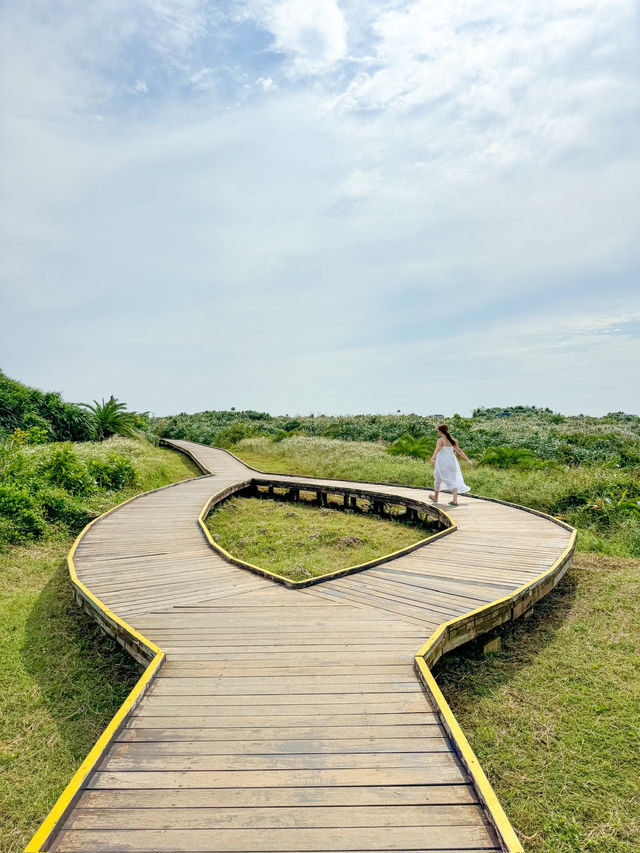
(408, 445)
(112, 418)
(509, 457)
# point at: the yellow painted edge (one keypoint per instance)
(49, 823)
(480, 781)
(338, 573)
(492, 604)
(472, 765)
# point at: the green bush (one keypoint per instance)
(115, 472)
(236, 432)
(19, 509)
(59, 507)
(407, 445)
(509, 457)
(112, 418)
(63, 468)
(23, 407)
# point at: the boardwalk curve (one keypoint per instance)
(277, 719)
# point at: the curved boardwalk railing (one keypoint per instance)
(279, 719)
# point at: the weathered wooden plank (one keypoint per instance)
(285, 840)
(226, 798)
(274, 818)
(433, 774)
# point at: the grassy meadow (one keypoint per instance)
(300, 541)
(561, 490)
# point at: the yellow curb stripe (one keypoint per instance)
(292, 584)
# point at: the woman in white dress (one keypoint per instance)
(447, 475)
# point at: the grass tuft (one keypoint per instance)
(300, 541)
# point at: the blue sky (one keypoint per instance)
(311, 205)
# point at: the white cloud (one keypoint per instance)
(312, 33)
(203, 79)
(266, 84)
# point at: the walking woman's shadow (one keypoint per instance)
(83, 676)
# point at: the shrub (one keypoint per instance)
(115, 472)
(112, 418)
(58, 506)
(63, 468)
(34, 435)
(286, 433)
(235, 433)
(24, 407)
(407, 445)
(22, 519)
(509, 457)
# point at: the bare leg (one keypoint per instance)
(435, 497)
(455, 496)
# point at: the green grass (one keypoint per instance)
(61, 679)
(300, 541)
(554, 715)
(555, 489)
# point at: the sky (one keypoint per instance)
(306, 206)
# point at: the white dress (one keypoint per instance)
(447, 474)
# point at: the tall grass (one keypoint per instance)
(562, 490)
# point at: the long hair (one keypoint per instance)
(444, 429)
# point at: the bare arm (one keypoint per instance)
(461, 452)
(439, 446)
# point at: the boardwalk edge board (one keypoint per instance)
(446, 637)
(222, 495)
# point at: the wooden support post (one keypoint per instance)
(492, 646)
(353, 500)
(345, 501)
(325, 498)
(270, 491)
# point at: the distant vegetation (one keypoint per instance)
(612, 440)
(30, 416)
(600, 499)
(41, 415)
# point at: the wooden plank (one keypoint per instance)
(209, 798)
(433, 774)
(282, 733)
(273, 818)
(284, 840)
(275, 762)
(433, 739)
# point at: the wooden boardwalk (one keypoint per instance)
(291, 719)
